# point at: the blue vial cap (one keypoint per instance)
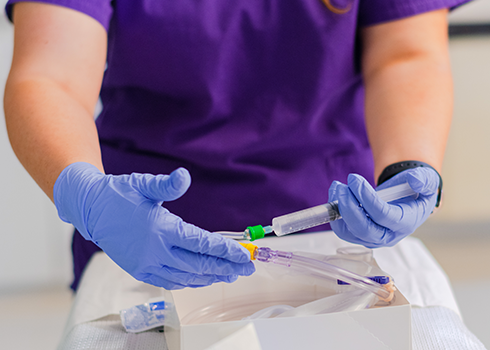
(160, 305)
(378, 279)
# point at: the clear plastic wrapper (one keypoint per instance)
(349, 301)
(306, 268)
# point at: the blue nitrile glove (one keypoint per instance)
(368, 220)
(124, 217)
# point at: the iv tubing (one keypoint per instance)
(317, 268)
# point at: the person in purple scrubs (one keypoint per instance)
(272, 106)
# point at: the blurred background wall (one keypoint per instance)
(459, 234)
(33, 251)
(35, 265)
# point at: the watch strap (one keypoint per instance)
(395, 168)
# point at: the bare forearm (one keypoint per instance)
(408, 83)
(48, 129)
(52, 89)
(408, 111)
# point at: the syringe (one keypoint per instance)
(311, 217)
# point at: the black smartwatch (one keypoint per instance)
(393, 169)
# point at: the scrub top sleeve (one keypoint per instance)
(100, 10)
(377, 11)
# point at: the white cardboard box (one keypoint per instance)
(378, 328)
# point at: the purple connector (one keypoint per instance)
(274, 256)
(378, 279)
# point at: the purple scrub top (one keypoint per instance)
(262, 101)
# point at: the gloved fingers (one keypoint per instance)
(423, 180)
(342, 231)
(386, 239)
(166, 284)
(202, 264)
(380, 212)
(197, 240)
(370, 221)
(332, 191)
(171, 278)
(163, 283)
(357, 219)
(162, 187)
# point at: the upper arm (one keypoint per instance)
(420, 36)
(61, 45)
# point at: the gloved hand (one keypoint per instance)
(368, 220)
(124, 217)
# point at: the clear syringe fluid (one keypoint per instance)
(311, 217)
(303, 219)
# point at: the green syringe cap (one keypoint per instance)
(256, 232)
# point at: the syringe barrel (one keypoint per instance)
(303, 219)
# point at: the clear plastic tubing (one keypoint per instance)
(324, 213)
(320, 269)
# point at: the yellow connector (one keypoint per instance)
(251, 248)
